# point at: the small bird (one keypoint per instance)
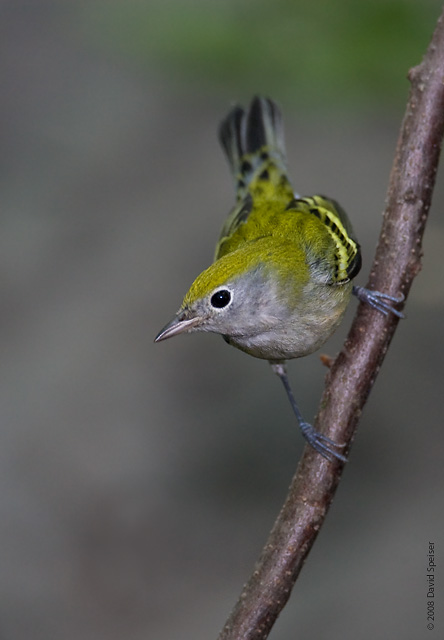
(282, 274)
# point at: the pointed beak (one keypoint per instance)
(179, 324)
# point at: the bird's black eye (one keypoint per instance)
(220, 299)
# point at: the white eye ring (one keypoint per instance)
(221, 298)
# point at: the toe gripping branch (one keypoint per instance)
(380, 301)
(322, 444)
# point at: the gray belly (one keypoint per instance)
(302, 332)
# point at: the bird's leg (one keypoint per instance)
(378, 300)
(322, 444)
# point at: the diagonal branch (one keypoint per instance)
(397, 262)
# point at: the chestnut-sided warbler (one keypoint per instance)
(281, 279)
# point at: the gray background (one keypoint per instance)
(138, 482)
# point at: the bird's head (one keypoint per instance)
(238, 295)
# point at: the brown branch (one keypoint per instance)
(397, 262)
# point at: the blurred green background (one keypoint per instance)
(348, 52)
(139, 481)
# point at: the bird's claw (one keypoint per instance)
(380, 301)
(322, 444)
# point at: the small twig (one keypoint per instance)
(350, 379)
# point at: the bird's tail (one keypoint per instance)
(254, 144)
